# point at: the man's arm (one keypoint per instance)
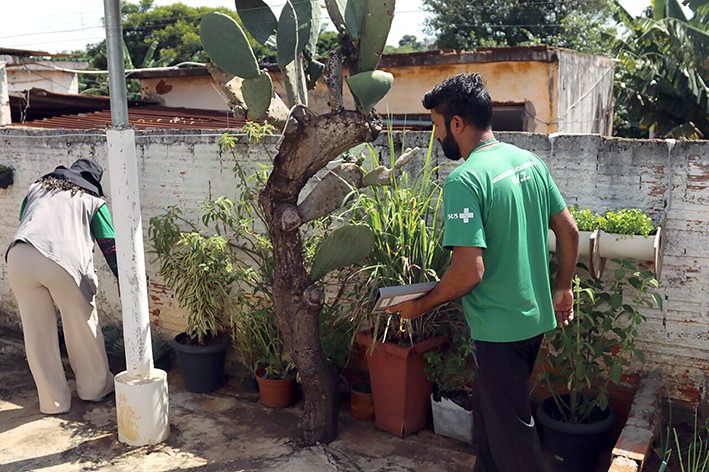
(567, 243)
(464, 273)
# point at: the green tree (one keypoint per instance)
(469, 24)
(661, 84)
(409, 43)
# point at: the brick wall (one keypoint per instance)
(669, 180)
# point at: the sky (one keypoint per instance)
(55, 26)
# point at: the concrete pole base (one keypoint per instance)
(142, 408)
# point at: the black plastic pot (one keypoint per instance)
(6, 178)
(202, 365)
(574, 447)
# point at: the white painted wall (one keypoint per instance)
(670, 181)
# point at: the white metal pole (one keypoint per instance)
(141, 391)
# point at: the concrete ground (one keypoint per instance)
(227, 430)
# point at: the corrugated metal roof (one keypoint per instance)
(143, 118)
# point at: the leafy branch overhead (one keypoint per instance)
(363, 26)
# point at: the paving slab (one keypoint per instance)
(227, 430)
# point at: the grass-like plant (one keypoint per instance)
(405, 217)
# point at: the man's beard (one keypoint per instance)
(450, 148)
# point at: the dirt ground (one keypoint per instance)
(227, 430)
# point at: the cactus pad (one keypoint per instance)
(227, 46)
(345, 246)
(259, 19)
(369, 87)
(375, 28)
(288, 29)
(257, 94)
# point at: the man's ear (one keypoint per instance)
(457, 124)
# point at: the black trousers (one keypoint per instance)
(504, 430)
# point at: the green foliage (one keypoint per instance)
(408, 233)
(585, 219)
(662, 83)
(631, 221)
(585, 357)
(199, 271)
(470, 24)
(451, 368)
(113, 341)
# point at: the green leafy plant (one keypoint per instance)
(451, 368)
(630, 221)
(198, 269)
(584, 358)
(113, 341)
(585, 219)
(405, 218)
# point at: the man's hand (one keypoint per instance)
(408, 310)
(563, 306)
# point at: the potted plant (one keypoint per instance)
(199, 269)
(405, 219)
(582, 360)
(361, 401)
(115, 350)
(451, 369)
(6, 176)
(626, 234)
(587, 223)
(257, 337)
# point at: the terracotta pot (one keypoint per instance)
(361, 402)
(275, 393)
(400, 388)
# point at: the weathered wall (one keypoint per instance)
(561, 90)
(585, 93)
(669, 180)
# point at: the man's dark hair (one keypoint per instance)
(464, 95)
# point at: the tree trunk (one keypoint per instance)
(296, 300)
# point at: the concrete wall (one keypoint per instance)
(585, 93)
(669, 180)
(42, 74)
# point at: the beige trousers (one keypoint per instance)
(38, 284)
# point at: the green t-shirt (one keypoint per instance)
(501, 200)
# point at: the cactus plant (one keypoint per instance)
(259, 20)
(369, 87)
(329, 194)
(378, 17)
(345, 246)
(293, 31)
(309, 142)
(227, 46)
(347, 15)
(257, 94)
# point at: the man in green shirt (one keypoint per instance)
(499, 205)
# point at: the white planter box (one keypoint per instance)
(584, 242)
(452, 421)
